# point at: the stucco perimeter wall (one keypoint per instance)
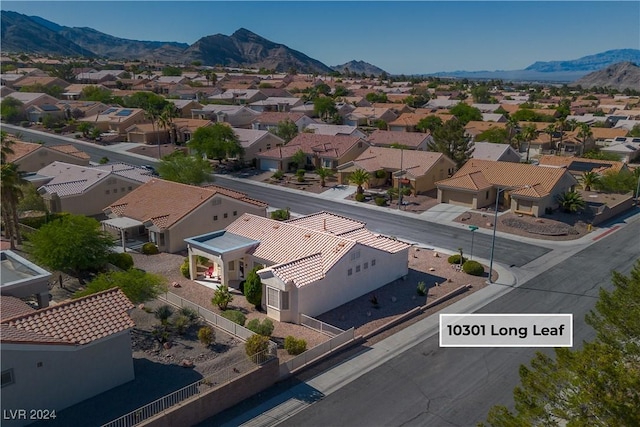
(612, 211)
(208, 404)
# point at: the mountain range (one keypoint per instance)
(32, 34)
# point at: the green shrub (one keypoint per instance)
(163, 313)
(121, 260)
(455, 259)
(39, 221)
(406, 191)
(473, 268)
(150, 249)
(380, 174)
(206, 335)
(104, 160)
(381, 201)
(253, 288)
(184, 268)
(421, 289)
(256, 348)
(265, 328)
(222, 297)
(295, 346)
(181, 323)
(281, 214)
(278, 175)
(359, 197)
(235, 316)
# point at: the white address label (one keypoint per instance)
(506, 330)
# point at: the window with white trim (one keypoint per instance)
(358, 268)
(273, 298)
(355, 255)
(349, 272)
(373, 262)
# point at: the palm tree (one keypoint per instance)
(165, 120)
(11, 196)
(359, 177)
(550, 130)
(323, 174)
(5, 144)
(584, 133)
(571, 201)
(528, 133)
(560, 126)
(588, 179)
(512, 129)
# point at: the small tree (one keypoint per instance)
(323, 174)
(588, 179)
(299, 158)
(265, 328)
(253, 288)
(206, 335)
(222, 297)
(137, 285)
(179, 167)
(286, 129)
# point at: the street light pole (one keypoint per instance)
(472, 228)
(495, 225)
(400, 182)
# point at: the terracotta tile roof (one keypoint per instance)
(415, 163)
(304, 249)
(76, 322)
(164, 203)
(476, 127)
(568, 162)
(21, 149)
(273, 118)
(326, 146)
(13, 307)
(606, 133)
(71, 150)
(408, 119)
(505, 174)
(386, 138)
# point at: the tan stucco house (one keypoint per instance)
(31, 157)
(168, 212)
(308, 265)
(418, 170)
(534, 188)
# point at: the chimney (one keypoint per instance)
(324, 224)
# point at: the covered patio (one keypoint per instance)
(226, 254)
(132, 233)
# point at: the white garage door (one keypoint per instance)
(268, 165)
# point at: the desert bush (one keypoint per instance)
(184, 268)
(360, 197)
(381, 201)
(235, 316)
(473, 268)
(150, 249)
(206, 335)
(295, 346)
(280, 214)
(163, 313)
(181, 323)
(121, 260)
(265, 328)
(190, 313)
(421, 289)
(278, 175)
(256, 347)
(380, 173)
(406, 191)
(455, 259)
(222, 297)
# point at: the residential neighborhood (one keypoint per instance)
(178, 237)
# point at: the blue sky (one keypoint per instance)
(400, 37)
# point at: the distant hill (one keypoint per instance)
(621, 76)
(246, 49)
(359, 67)
(588, 63)
(20, 33)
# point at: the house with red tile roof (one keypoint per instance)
(308, 265)
(417, 170)
(166, 212)
(579, 165)
(327, 151)
(525, 188)
(179, 131)
(255, 141)
(30, 157)
(368, 116)
(116, 119)
(61, 355)
(406, 122)
(409, 140)
(85, 190)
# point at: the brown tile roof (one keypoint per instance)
(606, 133)
(13, 307)
(567, 162)
(415, 163)
(326, 146)
(304, 249)
(476, 127)
(408, 119)
(71, 150)
(386, 138)
(277, 117)
(76, 322)
(21, 149)
(164, 203)
(510, 108)
(542, 180)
